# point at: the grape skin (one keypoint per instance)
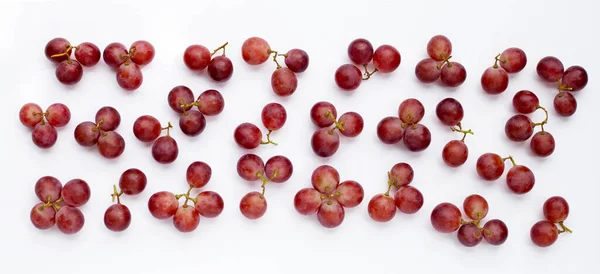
(133, 181)
(330, 214)
(381, 208)
(408, 199)
(129, 76)
(297, 60)
(324, 143)
(186, 219)
(30, 115)
(220, 69)
(48, 189)
(349, 194)
(469, 235)
(165, 150)
(56, 46)
(180, 95)
(525, 102)
(44, 135)
(142, 52)
(284, 82)
(455, 153)
(69, 220)
(453, 74)
(543, 233)
(198, 174)
(42, 217)
(318, 114)
(542, 144)
(69, 72)
(307, 201)
(494, 80)
(114, 55)
(495, 232)
(146, 128)
(192, 123)
(117, 217)
(247, 136)
(565, 104)
(76, 193)
(111, 145)
(449, 111)
(417, 137)
(390, 130)
(163, 205)
(253, 205)
(87, 54)
(519, 128)
(209, 204)
(360, 51)
(476, 207)
(513, 60)
(58, 115)
(325, 179)
(575, 77)
(249, 166)
(428, 70)
(110, 117)
(86, 134)
(401, 174)
(445, 218)
(273, 116)
(255, 51)
(196, 57)
(280, 164)
(386, 59)
(520, 179)
(348, 77)
(550, 69)
(490, 166)
(353, 124)
(439, 47)
(556, 209)
(211, 102)
(411, 111)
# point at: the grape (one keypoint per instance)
(428, 70)
(180, 95)
(142, 52)
(550, 69)
(565, 104)
(198, 174)
(408, 199)
(411, 111)
(220, 69)
(296, 60)
(401, 174)
(69, 220)
(284, 82)
(163, 204)
(307, 201)
(469, 235)
(48, 189)
(352, 123)
(44, 135)
(280, 165)
(494, 80)
(543, 233)
(325, 143)
(513, 60)
(87, 54)
(520, 179)
(69, 72)
(192, 123)
(390, 130)
(146, 128)
(132, 181)
(381, 208)
(209, 204)
(453, 74)
(519, 128)
(417, 137)
(165, 150)
(108, 118)
(253, 205)
(445, 218)
(360, 51)
(575, 77)
(58, 115)
(349, 194)
(42, 217)
(57, 46)
(211, 102)
(31, 114)
(114, 55)
(76, 193)
(439, 47)
(495, 232)
(556, 209)
(196, 57)
(86, 134)
(542, 144)
(247, 136)
(111, 145)
(455, 153)
(325, 179)
(318, 114)
(273, 116)
(348, 77)
(117, 217)
(255, 50)
(330, 214)
(449, 111)
(525, 101)
(129, 76)
(386, 59)
(476, 207)
(250, 166)
(490, 166)
(186, 219)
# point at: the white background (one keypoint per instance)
(283, 241)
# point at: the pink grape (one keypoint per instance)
(108, 118)
(284, 81)
(401, 174)
(211, 102)
(163, 205)
(381, 208)
(325, 143)
(117, 217)
(253, 205)
(445, 218)
(280, 165)
(111, 145)
(146, 128)
(255, 50)
(417, 137)
(542, 144)
(86, 134)
(165, 150)
(48, 189)
(353, 124)
(325, 179)
(76, 193)
(44, 135)
(494, 80)
(87, 54)
(133, 181)
(520, 179)
(550, 69)
(247, 135)
(198, 174)
(192, 123)
(318, 114)
(250, 166)
(57, 46)
(209, 204)
(42, 217)
(453, 74)
(349, 194)
(69, 220)
(330, 214)
(220, 69)
(565, 104)
(575, 78)
(31, 114)
(495, 232)
(69, 72)
(196, 57)
(428, 70)
(296, 60)
(411, 111)
(360, 51)
(408, 199)
(186, 219)
(439, 47)
(129, 76)
(476, 207)
(273, 116)
(525, 102)
(386, 58)
(114, 55)
(180, 95)
(348, 77)
(307, 201)
(142, 52)
(390, 130)
(513, 60)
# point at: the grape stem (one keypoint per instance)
(512, 160)
(187, 107)
(330, 196)
(338, 125)
(268, 141)
(51, 204)
(542, 123)
(446, 60)
(474, 222)
(187, 196)
(168, 128)
(390, 184)
(97, 127)
(265, 180)
(67, 53)
(464, 132)
(275, 54)
(219, 48)
(116, 194)
(367, 73)
(497, 58)
(564, 228)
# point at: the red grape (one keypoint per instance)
(180, 95)
(411, 111)
(556, 209)
(255, 50)
(494, 80)
(108, 118)
(273, 116)
(165, 150)
(495, 232)
(296, 60)
(142, 52)
(69, 220)
(111, 145)
(87, 54)
(279, 169)
(114, 55)
(449, 111)
(386, 58)
(58, 115)
(42, 217)
(69, 72)
(453, 74)
(348, 77)
(198, 174)
(428, 70)
(490, 166)
(401, 174)
(445, 218)
(565, 104)
(247, 136)
(330, 214)
(469, 235)
(211, 102)
(542, 144)
(132, 181)
(117, 217)
(220, 69)
(390, 130)
(253, 205)
(48, 189)
(196, 57)
(575, 77)
(525, 101)
(86, 134)
(192, 123)
(307, 201)
(31, 114)
(325, 142)
(476, 207)
(519, 128)
(57, 46)
(186, 219)
(284, 81)
(349, 194)
(163, 205)
(360, 51)
(455, 153)
(439, 47)
(417, 137)
(543, 233)
(352, 123)
(146, 128)
(513, 60)
(325, 179)
(319, 114)
(129, 76)
(520, 179)
(381, 208)
(550, 69)
(408, 199)
(209, 204)
(250, 166)
(76, 193)
(44, 135)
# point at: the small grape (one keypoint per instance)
(211, 102)
(360, 51)
(114, 55)
(163, 205)
(390, 130)
(31, 114)
(381, 208)
(296, 60)
(129, 76)
(386, 58)
(520, 179)
(87, 54)
(86, 134)
(69, 72)
(273, 116)
(307, 201)
(542, 144)
(165, 150)
(439, 47)
(220, 69)
(428, 70)
(255, 50)
(455, 153)
(490, 166)
(146, 128)
(401, 174)
(280, 165)
(198, 174)
(519, 128)
(525, 102)
(133, 181)
(349, 194)
(319, 114)
(42, 217)
(117, 217)
(76, 193)
(58, 115)
(445, 218)
(196, 57)
(142, 52)
(417, 137)
(556, 209)
(111, 145)
(469, 235)
(325, 143)
(284, 82)
(411, 111)
(353, 124)
(449, 111)
(543, 233)
(247, 135)
(249, 166)
(513, 60)
(69, 220)
(192, 123)
(44, 135)
(476, 207)
(495, 232)
(209, 204)
(565, 104)
(494, 80)
(180, 95)
(253, 205)
(330, 214)
(550, 69)
(48, 189)
(108, 118)
(348, 77)
(453, 74)
(57, 46)
(325, 179)
(408, 199)
(575, 77)
(186, 219)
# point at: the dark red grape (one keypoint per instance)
(250, 166)
(296, 60)
(348, 77)
(518, 128)
(57, 46)
(349, 194)
(163, 205)
(273, 116)
(69, 72)
(129, 76)
(381, 208)
(428, 70)
(556, 209)
(525, 101)
(42, 217)
(386, 58)
(352, 123)
(108, 118)
(565, 104)
(211, 102)
(165, 150)
(550, 69)
(142, 52)
(513, 60)
(111, 145)
(114, 55)
(439, 47)
(279, 169)
(542, 144)
(247, 135)
(401, 174)
(408, 199)
(196, 57)
(209, 204)
(198, 174)
(469, 235)
(48, 189)
(411, 111)
(453, 74)
(494, 80)
(325, 179)
(543, 233)
(325, 142)
(220, 69)
(520, 179)
(495, 232)
(192, 123)
(307, 201)
(330, 214)
(76, 193)
(284, 81)
(476, 207)
(389, 130)
(490, 166)
(417, 137)
(31, 114)
(445, 218)
(575, 77)
(455, 153)
(255, 50)
(133, 181)
(44, 135)
(180, 95)
(69, 220)
(449, 111)
(146, 128)
(360, 51)
(319, 114)
(87, 54)
(86, 134)
(253, 205)
(117, 217)
(186, 219)
(58, 115)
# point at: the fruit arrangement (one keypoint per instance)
(325, 141)
(198, 57)
(102, 133)
(438, 64)
(407, 199)
(69, 71)
(416, 136)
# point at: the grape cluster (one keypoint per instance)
(573, 79)
(438, 64)
(248, 135)
(416, 136)
(127, 62)
(69, 71)
(117, 217)
(450, 112)
(519, 128)
(545, 233)
(147, 129)
(386, 59)
(192, 122)
(494, 79)
(519, 179)
(325, 141)
(198, 57)
(328, 197)
(60, 204)
(44, 124)
(164, 204)
(256, 51)
(102, 133)
(408, 199)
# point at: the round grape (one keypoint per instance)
(445, 218)
(495, 232)
(253, 205)
(494, 80)
(196, 57)
(192, 123)
(349, 194)
(186, 219)
(211, 102)
(556, 209)
(386, 58)
(198, 174)
(117, 217)
(390, 130)
(255, 50)
(360, 51)
(543, 233)
(273, 116)
(408, 199)
(411, 111)
(220, 69)
(133, 181)
(469, 235)
(525, 102)
(250, 166)
(209, 204)
(439, 47)
(307, 201)
(44, 135)
(87, 54)
(324, 142)
(542, 144)
(490, 166)
(180, 95)
(42, 217)
(284, 82)
(353, 124)
(348, 77)
(111, 145)
(319, 114)
(476, 207)
(165, 150)
(146, 128)
(279, 169)
(453, 74)
(417, 137)
(129, 76)
(296, 60)
(401, 174)
(48, 189)
(575, 77)
(330, 214)
(325, 179)
(69, 72)
(381, 208)
(550, 69)
(520, 179)
(114, 55)
(565, 104)
(58, 115)
(57, 46)
(163, 205)
(108, 118)
(142, 52)
(31, 114)
(449, 111)
(69, 220)
(86, 134)
(428, 70)
(513, 60)
(455, 153)
(76, 193)
(247, 136)
(518, 128)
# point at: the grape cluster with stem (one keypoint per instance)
(544, 233)
(494, 79)
(192, 122)
(127, 62)
(519, 128)
(102, 133)
(147, 129)
(385, 58)
(519, 179)
(406, 127)
(198, 57)
(450, 112)
(44, 124)
(117, 217)
(569, 81)
(248, 136)
(438, 64)
(69, 71)
(325, 141)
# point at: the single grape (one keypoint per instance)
(307, 201)
(296, 60)
(330, 214)
(349, 194)
(525, 102)
(186, 219)
(476, 207)
(133, 181)
(44, 135)
(142, 52)
(111, 145)
(114, 55)
(69, 220)
(58, 115)
(319, 114)
(411, 111)
(48, 189)
(348, 77)
(390, 130)
(325, 142)
(455, 153)
(198, 174)
(550, 69)
(445, 218)
(253, 205)
(86, 134)
(453, 74)
(146, 128)
(543, 233)
(108, 118)
(196, 57)
(220, 69)
(439, 47)
(69, 72)
(360, 51)
(428, 70)
(513, 60)
(386, 58)
(117, 217)
(408, 199)
(325, 179)
(279, 169)
(57, 46)
(490, 166)
(209, 204)
(417, 137)
(352, 123)
(163, 205)
(247, 135)
(76, 193)
(284, 82)
(31, 114)
(518, 128)
(494, 80)
(165, 150)
(129, 76)
(449, 111)
(575, 77)
(192, 123)
(87, 54)
(211, 102)
(495, 232)
(556, 209)
(255, 50)
(401, 174)
(542, 144)
(250, 166)
(565, 104)
(469, 235)
(180, 95)
(520, 179)
(381, 208)
(42, 217)
(273, 116)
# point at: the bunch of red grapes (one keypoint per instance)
(147, 129)
(60, 204)
(386, 59)
(545, 233)
(450, 112)
(439, 66)
(447, 218)
(256, 51)
(519, 179)
(132, 182)
(382, 207)
(494, 79)
(102, 133)
(415, 135)
(328, 197)
(519, 128)
(251, 167)
(127, 62)
(248, 136)
(192, 122)
(69, 71)
(198, 57)
(325, 141)
(186, 218)
(44, 124)
(571, 80)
